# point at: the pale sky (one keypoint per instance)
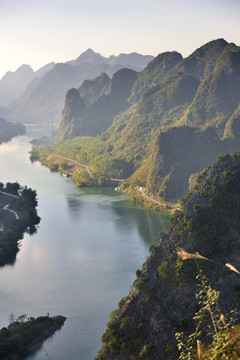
(36, 32)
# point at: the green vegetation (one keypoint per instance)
(89, 151)
(18, 215)
(202, 61)
(153, 143)
(221, 336)
(217, 97)
(163, 301)
(20, 336)
(80, 120)
(42, 101)
(91, 90)
(209, 224)
(73, 109)
(155, 72)
(125, 335)
(180, 152)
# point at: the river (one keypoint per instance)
(81, 261)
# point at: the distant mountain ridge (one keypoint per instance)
(43, 98)
(167, 97)
(9, 130)
(98, 116)
(180, 115)
(14, 83)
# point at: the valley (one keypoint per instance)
(166, 135)
(82, 257)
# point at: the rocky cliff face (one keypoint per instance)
(98, 116)
(180, 152)
(155, 72)
(163, 300)
(218, 95)
(73, 109)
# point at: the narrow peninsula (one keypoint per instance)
(22, 336)
(18, 215)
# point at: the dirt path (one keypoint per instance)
(79, 164)
(14, 212)
(73, 162)
(173, 206)
(5, 207)
(148, 198)
(15, 196)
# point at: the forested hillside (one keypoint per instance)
(163, 302)
(43, 99)
(168, 121)
(98, 116)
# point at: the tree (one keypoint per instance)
(13, 188)
(30, 195)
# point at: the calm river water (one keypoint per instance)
(81, 261)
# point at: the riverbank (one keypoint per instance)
(22, 337)
(54, 269)
(138, 195)
(82, 175)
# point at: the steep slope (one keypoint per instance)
(202, 61)
(14, 83)
(163, 300)
(180, 152)
(73, 109)
(141, 134)
(199, 64)
(232, 128)
(218, 95)
(155, 72)
(43, 101)
(135, 131)
(91, 90)
(99, 116)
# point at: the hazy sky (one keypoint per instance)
(36, 32)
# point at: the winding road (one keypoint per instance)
(173, 206)
(15, 196)
(74, 162)
(6, 207)
(14, 212)
(80, 164)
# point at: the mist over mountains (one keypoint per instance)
(155, 128)
(143, 117)
(171, 121)
(38, 97)
(14, 83)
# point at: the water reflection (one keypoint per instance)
(128, 215)
(149, 224)
(74, 206)
(81, 261)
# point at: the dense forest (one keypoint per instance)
(162, 318)
(23, 335)
(157, 128)
(160, 130)
(18, 215)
